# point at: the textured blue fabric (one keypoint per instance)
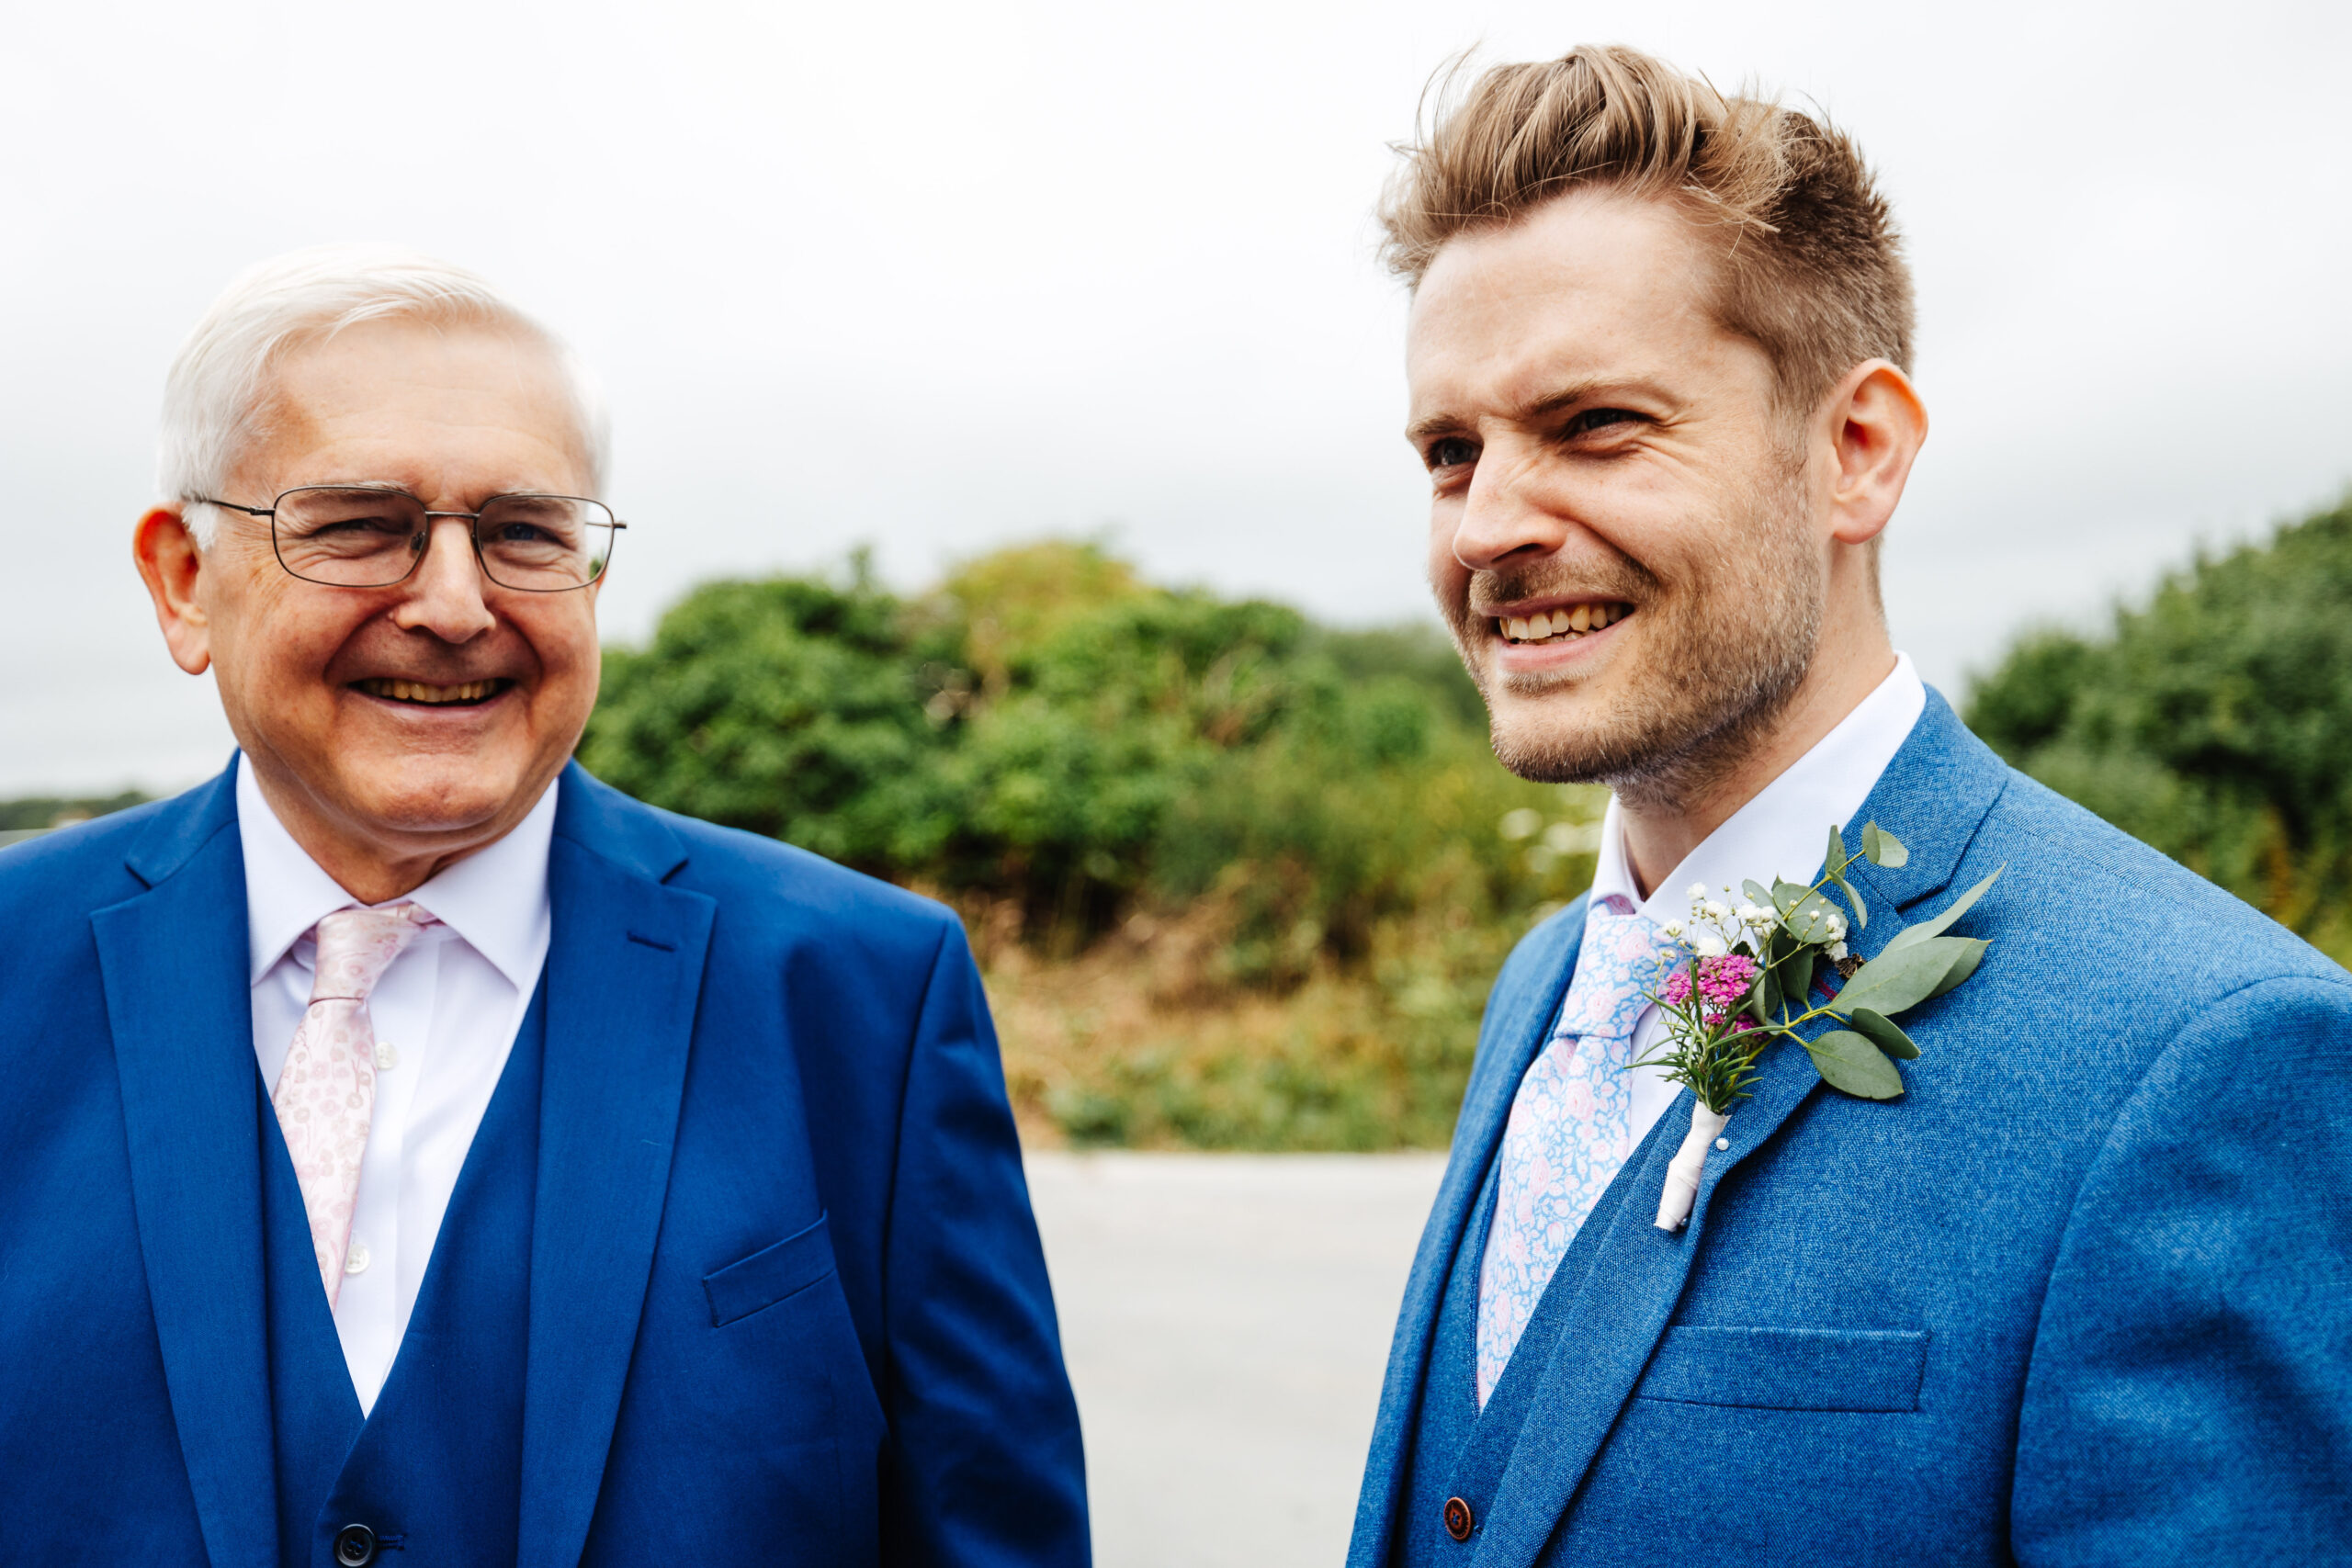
(745, 1047)
(1449, 1414)
(1458, 1450)
(2082, 1295)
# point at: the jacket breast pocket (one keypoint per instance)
(770, 1275)
(1790, 1368)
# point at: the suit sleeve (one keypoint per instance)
(986, 1466)
(2190, 1393)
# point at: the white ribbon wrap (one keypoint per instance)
(1683, 1175)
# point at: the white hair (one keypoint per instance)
(213, 398)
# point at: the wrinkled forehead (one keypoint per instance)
(1594, 286)
(429, 405)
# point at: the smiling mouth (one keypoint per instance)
(468, 694)
(1564, 624)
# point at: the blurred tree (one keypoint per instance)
(2215, 723)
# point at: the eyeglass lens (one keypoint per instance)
(371, 539)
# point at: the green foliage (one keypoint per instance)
(2215, 722)
(35, 814)
(1072, 756)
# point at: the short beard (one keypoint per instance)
(1728, 649)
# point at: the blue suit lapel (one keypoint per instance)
(624, 977)
(173, 961)
(1520, 1024)
(1934, 796)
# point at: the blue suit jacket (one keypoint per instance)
(2082, 1295)
(786, 1299)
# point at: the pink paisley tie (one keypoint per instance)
(1570, 1129)
(326, 1092)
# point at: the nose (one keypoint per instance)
(445, 593)
(1503, 522)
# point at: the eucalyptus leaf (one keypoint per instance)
(1854, 902)
(1895, 980)
(1964, 967)
(1848, 1061)
(1797, 980)
(1835, 861)
(1882, 1032)
(1787, 896)
(1756, 894)
(1765, 1001)
(1942, 923)
(1883, 847)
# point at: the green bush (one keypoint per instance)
(1046, 729)
(2215, 722)
(1308, 818)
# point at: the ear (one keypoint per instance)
(170, 566)
(1876, 426)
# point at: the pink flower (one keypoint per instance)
(1725, 979)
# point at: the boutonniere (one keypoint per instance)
(1740, 979)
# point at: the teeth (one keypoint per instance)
(1574, 622)
(421, 692)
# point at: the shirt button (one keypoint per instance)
(387, 1055)
(1723, 1143)
(356, 1260)
(1459, 1521)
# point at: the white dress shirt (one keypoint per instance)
(445, 1014)
(1780, 833)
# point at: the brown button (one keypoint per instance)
(1458, 1520)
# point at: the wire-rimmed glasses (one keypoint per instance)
(374, 536)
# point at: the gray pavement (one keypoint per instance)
(1225, 1319)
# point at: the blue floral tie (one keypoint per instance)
(1570, 1128)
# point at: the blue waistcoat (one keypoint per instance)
(1459, 1452)
(435, 1469)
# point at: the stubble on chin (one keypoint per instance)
(1722, 652)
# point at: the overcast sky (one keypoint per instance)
(938, 276)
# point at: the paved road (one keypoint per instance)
(1226, 1319)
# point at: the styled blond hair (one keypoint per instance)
(1813, 269)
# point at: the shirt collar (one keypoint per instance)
(1783, 830)
(496, 898)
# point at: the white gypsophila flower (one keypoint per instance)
(1836, 926)
(1698, 890)
(1837, 951)
(1708, 944)
(1714, 910)
(1749, 914)
(1674, 930)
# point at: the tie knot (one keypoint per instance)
(355, 946)
(1617, 967)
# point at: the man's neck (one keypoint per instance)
(1660, 837)
(368, 869)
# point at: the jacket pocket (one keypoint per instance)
(1790, 1368)
(769, 1275)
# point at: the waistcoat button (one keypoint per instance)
(354, 1546)
(1458, 1518)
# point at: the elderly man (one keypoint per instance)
(2072, 1283)
(413, 1146)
